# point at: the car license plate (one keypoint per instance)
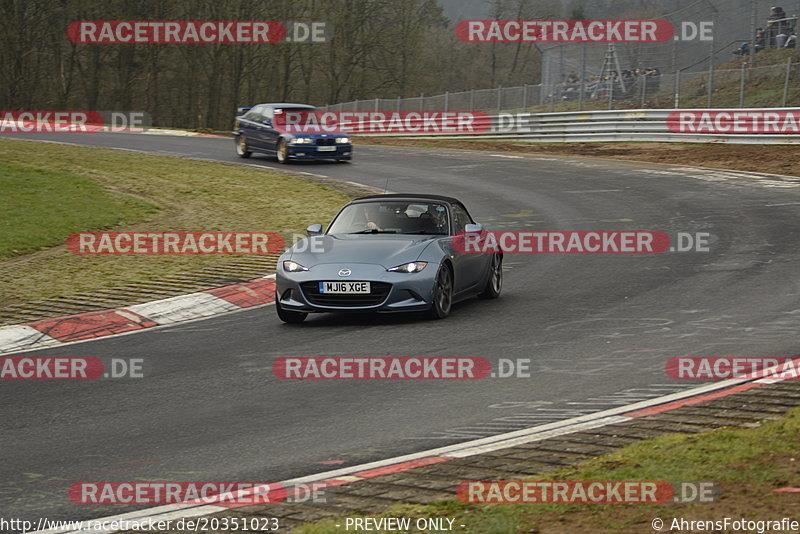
(344, 288)
(326, 148)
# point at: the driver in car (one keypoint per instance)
(372, 213)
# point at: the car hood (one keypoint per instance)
(312, 132)
(388, 250)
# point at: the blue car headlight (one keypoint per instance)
(412, 267)
(301, 141)
(293, 267)
(342, 140)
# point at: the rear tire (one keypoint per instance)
(442, 294)
(241, 147)
(494, 284)
(289, 316)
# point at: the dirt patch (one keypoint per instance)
(773, 159)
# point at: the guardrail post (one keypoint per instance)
(741, 84)
(610, 91)
(500, 97)
(643, 81)
(786, 82)
(398, 103)
(377, 104)
(582, 81)
(711, 69)
(711, 75)
(525, 96)
(447, 100)
(677, 88)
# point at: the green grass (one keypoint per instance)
(128, 191)
(741, 460)
(40, 208)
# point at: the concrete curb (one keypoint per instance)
(89, 325)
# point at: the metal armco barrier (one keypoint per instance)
(741, 125)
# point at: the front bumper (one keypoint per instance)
(308, 152)
(390, 292)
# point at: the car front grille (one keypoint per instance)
(378, 293)
(326, 142)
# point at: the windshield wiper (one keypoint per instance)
(372, 231)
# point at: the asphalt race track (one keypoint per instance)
(597, 329)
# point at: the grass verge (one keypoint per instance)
(40, 208)
(749, 464)
(54, 190)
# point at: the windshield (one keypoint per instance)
(392, 217)
(305, 120)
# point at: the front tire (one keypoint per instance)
(442, 294)
(289, 316)
(494, 284)
(241, 147)
(282, 154)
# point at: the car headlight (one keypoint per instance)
(412, 267)
(342, 139)
(293, 266)
(301, 140)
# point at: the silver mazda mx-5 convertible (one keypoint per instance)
(387, 253)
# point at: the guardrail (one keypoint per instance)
(742, 126)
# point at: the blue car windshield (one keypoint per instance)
(392, 217)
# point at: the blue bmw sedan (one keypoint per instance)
(264, 128)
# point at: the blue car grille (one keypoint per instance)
(326, 142)
(378, 293)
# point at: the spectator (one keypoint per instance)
(783, 38)
(779, 27)
(571, 87)
(653, 79)
(760, 41)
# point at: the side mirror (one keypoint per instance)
(314, 229)
(266, 122)
(473, 228)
